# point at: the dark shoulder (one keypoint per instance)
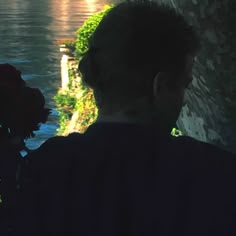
(56, 151)
(60, 143)
(207, 148)
(206, 156)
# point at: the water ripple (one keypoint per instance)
(29, 30)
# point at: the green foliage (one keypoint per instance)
(87, 29)
(65, 107)
(64, 119)
(65, 101)
(68, 43)
(70, 101)
(175, 132)
(86, 106)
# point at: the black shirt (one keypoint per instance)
(120, 179)
(9, 159)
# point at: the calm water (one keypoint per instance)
(29, 30)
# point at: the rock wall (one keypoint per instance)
(210, 114)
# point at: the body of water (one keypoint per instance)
(28, 31)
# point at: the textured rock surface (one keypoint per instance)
(210, 114)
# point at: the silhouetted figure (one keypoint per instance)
(127, 175)
(21, 112)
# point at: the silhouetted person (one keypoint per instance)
(127, 175)
(21, 112)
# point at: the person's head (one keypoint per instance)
(139, 62)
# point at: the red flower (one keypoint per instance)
(30, 112)
(10, 77)
(21, 108)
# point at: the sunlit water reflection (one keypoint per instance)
(29, 30)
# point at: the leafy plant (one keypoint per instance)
(64, 119)
(87, 109)
(175, 132)
(68, 43)
(86, 30)
(79, 98)
(65, 101)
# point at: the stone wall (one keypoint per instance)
(210, 114)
